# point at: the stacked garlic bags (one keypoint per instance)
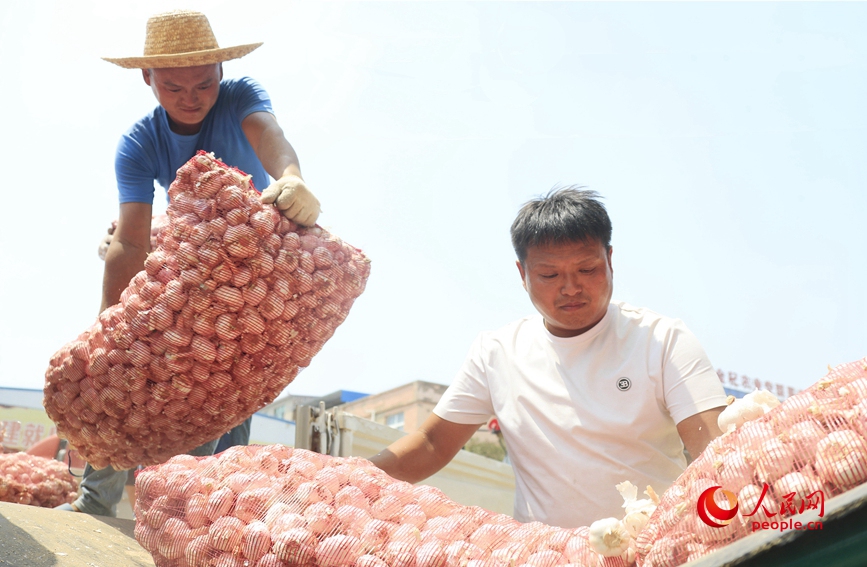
(37, 481)
(275, 506)
(776, 459)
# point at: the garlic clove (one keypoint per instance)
(609, 537)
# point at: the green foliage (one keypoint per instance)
(487, 449)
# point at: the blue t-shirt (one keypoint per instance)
(151, 151)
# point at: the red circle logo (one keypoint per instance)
(711, 513)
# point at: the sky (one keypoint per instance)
(724, 138)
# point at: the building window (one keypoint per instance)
(280, 412)
(395, 420)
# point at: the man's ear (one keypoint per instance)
(146, 75)
(521, 271)
(221, 70)
(610, 265)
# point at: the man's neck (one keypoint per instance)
(183, 129)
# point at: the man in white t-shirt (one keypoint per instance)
(588, 394)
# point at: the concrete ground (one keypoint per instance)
(44, 537)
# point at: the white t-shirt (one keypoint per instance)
(582, 414)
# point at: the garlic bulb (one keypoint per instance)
(738, 413)
(859, 419)
(841, 458)
(797, 483)
(804, 437)
(776, 459)
(764, 398)
(752, 435)
(638, 512)
(752, 406)
(856, 389)
(609, 537)
(734, 471)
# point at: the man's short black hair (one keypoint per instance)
(568, 214)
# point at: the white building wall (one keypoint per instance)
(267, 430)
(21, 398)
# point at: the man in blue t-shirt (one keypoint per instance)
(198, 110)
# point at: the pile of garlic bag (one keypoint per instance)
(777, 459)
(37, 481)
(274, 506)
(234, 300)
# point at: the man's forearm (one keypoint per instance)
(277, 154)
(426, 450)
(292, 169)
(410, 459)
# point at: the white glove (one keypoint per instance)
(291, 195)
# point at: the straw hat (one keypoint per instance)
(181, 39)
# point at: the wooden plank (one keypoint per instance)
(44, 537)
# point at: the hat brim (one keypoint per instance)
(192, 59)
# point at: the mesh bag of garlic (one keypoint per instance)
(28, 479)
(158, 222)
(274, 506)
(773, 467)
(232, 303)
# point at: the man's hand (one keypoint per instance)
(105, 243)
(288, 193)
(291, 195)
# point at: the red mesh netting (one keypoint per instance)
(28, 479)
(235, 299)
(275, 506)
(807, 449)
